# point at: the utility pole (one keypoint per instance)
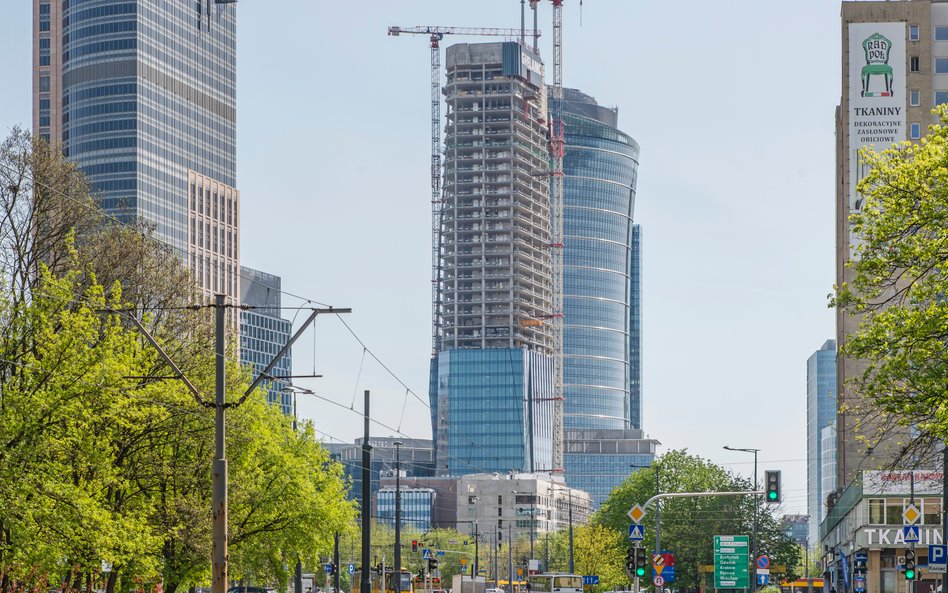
(397, 574)
(572, 568)
(476, 555)
(219, 468)
(364, 585)
(335, 559)
(510, 579)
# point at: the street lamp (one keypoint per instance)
(658, 512)
(756, 506)
(397, 573)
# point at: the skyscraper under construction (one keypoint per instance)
(492, 369)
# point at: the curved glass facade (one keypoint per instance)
(599, 186)
(149, 94)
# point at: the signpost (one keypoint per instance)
(731, 562)
(636, 513)
(910, 533)
(636, 533)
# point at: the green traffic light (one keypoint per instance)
(909, 574)
(772, 495)
(640, 572)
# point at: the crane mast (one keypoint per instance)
(436, 34)
(557, 151)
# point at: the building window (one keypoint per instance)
(941, 97)
(913, 32)
(913, 64)
(916, 131)
(914, 98)
(44, 83)
(500, 511)
(941, 65)
(941, 33)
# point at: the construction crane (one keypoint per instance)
(557, 151)
(435, 35)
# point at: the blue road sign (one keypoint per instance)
(352, 568)
(763, 579)
(591, 579)
(328, 568)
(440, 552)
(426, 554)
(859, 584)
(636, 533)
(938, 558)
(910, 533)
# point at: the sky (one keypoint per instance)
(732, 104)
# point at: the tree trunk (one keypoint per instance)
(110, 582)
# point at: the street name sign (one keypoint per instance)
(937, 558)
(731, 560)
(636, 533)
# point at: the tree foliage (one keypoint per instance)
(688, 525)
(898, 286)
(102, 457)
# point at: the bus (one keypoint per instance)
(800, 585)
(518, 586)
(390, 580)
(555, 583)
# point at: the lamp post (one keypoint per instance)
(658, 513)
(756, 508)
(572, 567)
(397, 573)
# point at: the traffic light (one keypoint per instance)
(432, 564)
(772, 486)
(630, 561)
(641, 562)
(334, 568)
(909, 570)
(414, 545)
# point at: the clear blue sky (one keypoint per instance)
(732, 104)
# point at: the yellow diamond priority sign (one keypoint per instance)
(636, 513)
(911, 514)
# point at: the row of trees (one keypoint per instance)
(104, 459)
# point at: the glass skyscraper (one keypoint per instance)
(142, 96)
(263, 333)
(602, 285)
(820, 428)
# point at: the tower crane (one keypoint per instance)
(557, 151)
(435, 35)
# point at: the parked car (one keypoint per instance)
(250, 589)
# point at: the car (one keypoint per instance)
(250, 589)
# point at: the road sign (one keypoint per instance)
(763, 562)
(463, 561)
(731, 561)
(426, 554)
(859, 584)
(763, 579)
(910, 533)
(592, 579)
(327, 568)
(352, 568)
(636, 513)
(938, 558)
(663, 565)
(658, 581)
(440, 552)
(658, 560)
(636, 533)
(911, 514)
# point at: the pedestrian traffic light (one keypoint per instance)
(641, 562)
(772, 485)
(909, 571)
(432, 564)
(414, 545)
(630, 560)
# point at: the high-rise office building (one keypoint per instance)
(263, 333)
(894, 70)
(602, 286)
(142, 96)
(492, 371)
(820, 415)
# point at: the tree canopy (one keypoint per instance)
(899, 279)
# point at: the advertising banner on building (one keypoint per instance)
(877, 99)
(876, 85)
(900, 482)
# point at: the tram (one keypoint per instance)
(384, 585)
(555, 583)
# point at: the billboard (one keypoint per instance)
(876, 84)
(877, 98)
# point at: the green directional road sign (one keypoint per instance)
(731, 561)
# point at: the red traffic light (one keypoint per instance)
(414, 545)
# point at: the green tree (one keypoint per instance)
(688, 525)
(898, 287)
